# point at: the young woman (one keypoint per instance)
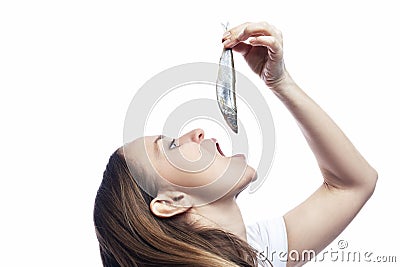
(146, 213)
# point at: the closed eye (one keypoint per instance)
(173, 144)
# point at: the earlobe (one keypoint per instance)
(165, 206)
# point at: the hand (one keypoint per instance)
(263, 52)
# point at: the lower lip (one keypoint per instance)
(239, 156)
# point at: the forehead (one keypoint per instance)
(140, 147)
(141, 152)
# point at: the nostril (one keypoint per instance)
(200, 135)
(196, 135)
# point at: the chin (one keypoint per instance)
(255, 177)
(251, 174)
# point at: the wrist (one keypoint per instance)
(284, 83)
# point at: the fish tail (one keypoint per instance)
(225, 26)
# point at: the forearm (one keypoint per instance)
(341, 164)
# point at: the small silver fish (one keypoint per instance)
(225, 88)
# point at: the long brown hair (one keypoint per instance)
(130, 235)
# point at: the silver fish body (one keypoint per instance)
(225, 89)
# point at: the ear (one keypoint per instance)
(169, 204)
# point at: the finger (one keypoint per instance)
(242, 48)
(273, 45)
(244, 31)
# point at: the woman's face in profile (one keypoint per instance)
(191, 161)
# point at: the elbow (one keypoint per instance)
(370, 184)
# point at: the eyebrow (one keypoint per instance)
(156, 148)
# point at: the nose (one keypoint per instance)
(196, 135)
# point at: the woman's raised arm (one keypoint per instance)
(348, 179)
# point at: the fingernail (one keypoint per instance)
(227, 42)
(226, 37)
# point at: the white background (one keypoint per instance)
(69, 69)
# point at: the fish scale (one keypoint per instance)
(225, 89)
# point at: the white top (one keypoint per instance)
(269, 238)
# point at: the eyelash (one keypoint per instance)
(173, 144)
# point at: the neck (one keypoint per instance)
(223, 214)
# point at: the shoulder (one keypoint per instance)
(269, 238)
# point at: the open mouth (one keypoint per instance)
(219, 150)
(222, 153)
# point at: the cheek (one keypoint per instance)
(204, 176)
(227, 172)
(190, 153)
(188, 160)
(188, 179)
